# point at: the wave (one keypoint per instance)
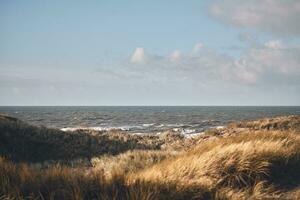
(170, 125)
(219, 127)
(148, 128)
(148, 125)
(89, 128)
(97, 128)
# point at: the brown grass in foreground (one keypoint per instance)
(252, 165)
(19, 181)
(255, 164)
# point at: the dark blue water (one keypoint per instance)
(143, 119)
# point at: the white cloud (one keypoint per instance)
(274, 44)
(275, 16)
(138, 56)
(208, 77)
(244, 72)
(197, 47)
(274, 59)
(175, 56)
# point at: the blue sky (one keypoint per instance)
(150, 52)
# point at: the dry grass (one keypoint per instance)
(238, 163)
(278, 123)
(256, 164)
(18, 181)
(130, 161)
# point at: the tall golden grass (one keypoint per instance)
(252, 164)
(19, 181)
(129, 162)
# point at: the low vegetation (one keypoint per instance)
(245, 160)
(22, 142)
(279, 123)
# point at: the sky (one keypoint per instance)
(158, 52)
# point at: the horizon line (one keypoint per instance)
(149, 105)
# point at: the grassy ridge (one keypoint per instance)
(22, 142)
(246, 160)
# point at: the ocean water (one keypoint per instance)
(184, 119)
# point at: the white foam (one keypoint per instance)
(160, 132)
(192, 135)
(169, 125)
(122, 128)
(108, 128)
(220, 127)
(159, 126)
(147, 125)
(90, 128)
(187, 131)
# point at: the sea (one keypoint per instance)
(143, 119)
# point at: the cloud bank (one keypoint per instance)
(206, 65)
(280, 17)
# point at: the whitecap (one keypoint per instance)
(147, 125)
(98, 128)
(187, 131)
(219, 127)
